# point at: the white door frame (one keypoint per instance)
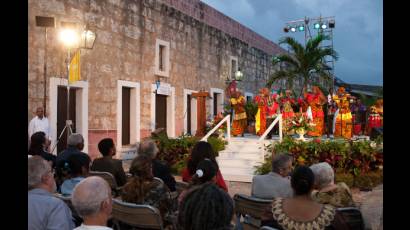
(193, 112)
(170, 110)
(81, 109)
(221, 96)
(134, 112)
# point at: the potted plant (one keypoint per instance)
(301, 125)
(251, 109)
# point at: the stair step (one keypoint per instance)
(230, 155)
(240, 178)
(239, 163)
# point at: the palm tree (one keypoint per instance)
(303, 62)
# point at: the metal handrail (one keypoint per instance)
(228, 124)
(278, 119)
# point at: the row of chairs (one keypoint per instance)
(127, 215)
(249, 210)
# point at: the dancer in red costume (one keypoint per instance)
(316, 100)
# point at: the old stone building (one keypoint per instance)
(186, 44)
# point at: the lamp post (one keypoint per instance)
(73, 40)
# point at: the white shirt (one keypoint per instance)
(37, 124)
(91, 227)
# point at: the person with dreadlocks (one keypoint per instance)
(142, 188)
(207, 207)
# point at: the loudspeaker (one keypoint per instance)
(45, 21)
(376, 132)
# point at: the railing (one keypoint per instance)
(278, 119)
(228, 125)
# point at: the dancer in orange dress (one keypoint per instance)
(316, 100)
(260, 118)
(343, 126)
(239, 121)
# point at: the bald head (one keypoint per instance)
(89, 194)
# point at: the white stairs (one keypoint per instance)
(237, 161)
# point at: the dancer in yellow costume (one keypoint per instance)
(343, 126)
(239, 121)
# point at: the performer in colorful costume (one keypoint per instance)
(358, 117)
(379, 109)
(239, 121)
(316, 100)
(374, 120)
(343, 126)
(260, 118)
(287, 112)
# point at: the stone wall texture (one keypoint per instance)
(201, 43)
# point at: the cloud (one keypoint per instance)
(358, 36)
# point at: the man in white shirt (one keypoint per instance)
(39, 123)
(92, 200)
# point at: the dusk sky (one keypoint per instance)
(358, 35)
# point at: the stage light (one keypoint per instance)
(293, 29)
(332, 24)
(324, 26)
(301, 28)
(316, 25)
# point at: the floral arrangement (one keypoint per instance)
(354, 159)
(210, 124)
(300, 121)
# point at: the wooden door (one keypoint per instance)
(161, 111)
(126, 110)
(188, 114)
(62, 115)
(215, 97)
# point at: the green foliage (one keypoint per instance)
(218, 144)
(175, 152)
(357, 163)
(265, 167)
(251, 109)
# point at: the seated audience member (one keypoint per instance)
(44, 210)
(75, 145)
(107, 163)
(276, 183)
(160, 170)
(92, 200)
(338, 195)
(38, 143)
(206, 207)
(205, 172)
(142, 188)
(201, 151)
(78, 167)
(300, 211)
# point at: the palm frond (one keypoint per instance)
(294, 45)
(278, 75)
(314, 43)
(284, 58)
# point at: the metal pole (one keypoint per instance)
(45, 73)
(68, 92)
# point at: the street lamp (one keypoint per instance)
(72, 38)
(238, 75)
